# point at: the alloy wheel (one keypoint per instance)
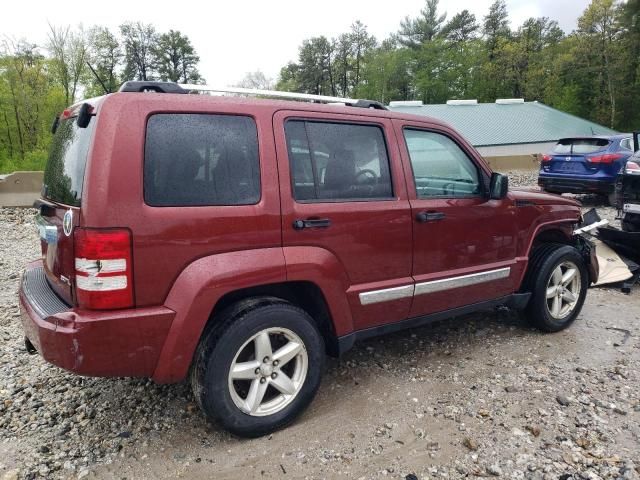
(268, 372)
(563, 290)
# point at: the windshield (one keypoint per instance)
(64, 173)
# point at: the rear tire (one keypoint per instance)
(253, 396)
(558, 279)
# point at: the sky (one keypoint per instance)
(233, 38)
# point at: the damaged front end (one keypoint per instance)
(613, 255)
(588, 252)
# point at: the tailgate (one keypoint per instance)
(55, 226)
(62, 194)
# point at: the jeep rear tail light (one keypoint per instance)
(104, 279)
(606, 158)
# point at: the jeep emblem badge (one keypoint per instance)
(67, 222)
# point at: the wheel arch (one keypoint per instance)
(305, 295)
(317, 285)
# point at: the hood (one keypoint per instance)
(537, 197)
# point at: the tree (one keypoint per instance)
(288, 78)
(69, 51)
(138, 40)
(416, 31)
(387, 73)
(175, 59)
(28, 100)
(599, 30)
(105, 57)
(256, 80)
(462, 27)
(629, 58)
(496, 26)
(361, 43)
(315, 74)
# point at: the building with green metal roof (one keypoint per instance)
(508, 126)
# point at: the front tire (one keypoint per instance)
(259, 368)
(558, 280)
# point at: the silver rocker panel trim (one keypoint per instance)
(386, 295)
(461, 281)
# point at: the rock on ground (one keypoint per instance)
(471, 397)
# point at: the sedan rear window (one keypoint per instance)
(201, 159)
(580, 146)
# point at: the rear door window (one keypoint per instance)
(337, 161)
(201, 159)
(64, 172)
(580, 146)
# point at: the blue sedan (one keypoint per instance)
(585, 164)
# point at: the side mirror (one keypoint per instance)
(498, 187)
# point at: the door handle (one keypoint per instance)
(424, 217)
(311, 223)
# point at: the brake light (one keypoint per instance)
(103, 268)
(632, 167)
(546, 158)
(606, 158)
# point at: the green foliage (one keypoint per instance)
(594, 72)
(414, 32)
(33, 161)
(176, 59)
(35, 88)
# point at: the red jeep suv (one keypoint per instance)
(236, 241)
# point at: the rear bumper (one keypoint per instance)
(118, 343)
(575, 185)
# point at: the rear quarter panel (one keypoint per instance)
(167, 239)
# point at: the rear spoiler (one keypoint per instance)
(636, 141)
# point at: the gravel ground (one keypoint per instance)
(480, 396)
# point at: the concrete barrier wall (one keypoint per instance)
(514, 162)
(20, 189)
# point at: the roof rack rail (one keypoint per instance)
(169, 87)
(148, 86)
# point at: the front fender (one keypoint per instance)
(197, 290)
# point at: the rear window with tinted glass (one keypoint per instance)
(201, 159)
(64, 173)
(580, 146)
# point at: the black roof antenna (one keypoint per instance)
(106, 90)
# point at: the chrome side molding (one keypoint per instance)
(396, 293)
